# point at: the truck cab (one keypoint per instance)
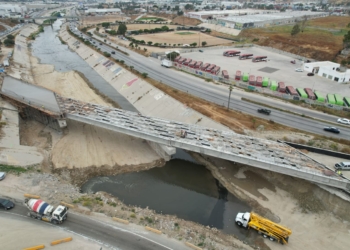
(60, 213)
(242, 219)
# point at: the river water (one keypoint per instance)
(182, 187)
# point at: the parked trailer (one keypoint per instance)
(187, 61)
(238, 75)
(191, 64)
(265, 82)
(225, 74)
(210, 68)
(245, 77)
(198, 65)
(259, 80)
(259, 58)
(338, 100)
(268, 229)
(273, 86)
(319, 97)
(252, 80)
(281, 87)
(310, 93)
(330, 99)
(231, 53)
(245, 56)
(291, 90)
(181, 60)
(347, 101)
(205, 66)
(302, 93)
(167, 63)
(215, 71)
(177, 58)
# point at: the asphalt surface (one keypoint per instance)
(219, 94)
(110, 234)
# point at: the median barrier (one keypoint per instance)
(66, 204)
(192, 246)
(35, 248)
(121, 220)
(153, 230)
(56, 242)
(32, 196)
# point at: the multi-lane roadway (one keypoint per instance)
(219, 93)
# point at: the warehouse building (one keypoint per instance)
(330, 70)
(265, 20)
(204, 15)
(103, 11)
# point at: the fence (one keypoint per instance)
(262, 90)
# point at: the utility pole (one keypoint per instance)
(229, 97)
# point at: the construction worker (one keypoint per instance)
(339, 172)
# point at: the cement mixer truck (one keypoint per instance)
(265, 227)
(41, 210)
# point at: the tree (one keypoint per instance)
(150, 43)
(295, 30)
(144, 75)
(106, 54)
(11, 37)
(303, 23)
(122, 29)
(180, 13)
(189, 7)
(204, 43)
(105, 24)
(9, 42)
(346, 40)
(171, 56)
(97, 29)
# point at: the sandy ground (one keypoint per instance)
(176, 38)
(90, 20)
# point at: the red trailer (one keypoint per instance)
(291, 90)
(281, 87)
(210, 68)
(259, 58)
(177, 58)
(205, 66)
(245, 56)
(231, 53)
(198, 65)
(259, 81)
(238, 75)
(191, 64)
(310, 94)
(216, 70)
(252, 80)
(181, 60)
(187, 61)
(225, 74)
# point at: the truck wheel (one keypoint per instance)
(55, 222)
(264, 235)
(239, 224)
(272, 239)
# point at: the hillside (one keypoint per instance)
(182, 20)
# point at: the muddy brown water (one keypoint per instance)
(182, 187)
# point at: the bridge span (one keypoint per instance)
(260, 153)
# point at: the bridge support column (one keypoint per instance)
(162, 150)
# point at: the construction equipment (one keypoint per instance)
(41, 210)
(265, 227)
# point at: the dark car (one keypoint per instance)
(331, 129)
(100, 43)
(264, 111)
(113, 52)
(310, 74)
(201, 51)
(6, 204)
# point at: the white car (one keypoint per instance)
(344, 121)
(2, 175)
(299, 70)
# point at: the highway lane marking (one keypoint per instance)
(125, 230)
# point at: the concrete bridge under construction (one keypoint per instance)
(260, 153)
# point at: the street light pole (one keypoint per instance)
(229, 97)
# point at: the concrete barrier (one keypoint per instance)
(153, 230)
(66, 204)
(32, 196)
(192, 246)
(35, 248)
(56, 242)
(121, 220)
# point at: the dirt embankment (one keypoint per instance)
(182, 20)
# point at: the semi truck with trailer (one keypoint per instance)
(265, 227)
(39, 209)
(238, 75)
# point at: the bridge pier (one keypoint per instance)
(163, 151)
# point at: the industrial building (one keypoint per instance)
(204, 15)
(103, 11)
(330, 70)
(12, 10)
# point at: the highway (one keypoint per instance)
(111, 234)
(219, 94)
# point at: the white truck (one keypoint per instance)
(167, 63)
(41, 210)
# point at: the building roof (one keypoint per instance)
(103, 10)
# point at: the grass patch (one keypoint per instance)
(184, 33)
(12, 169)
(88, 201)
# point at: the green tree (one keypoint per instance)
(204, 43)
(105, 25)
(150, 43)
(144, 75)
(106, 54)
(295, 30)
(9, 42)
(97, 29)
(122, 29)
(180, 13)
(11, 37)
(171, 56)
(189, 7)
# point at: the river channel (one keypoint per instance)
(182, 187)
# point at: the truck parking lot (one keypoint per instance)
(278, 67)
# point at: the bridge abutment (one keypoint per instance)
(163, 151)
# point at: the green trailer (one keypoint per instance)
(302, 93)
(338, 100)
(347, 101)
(319, 96)
(274, 85)
(331, 99)
(265, 82)
(245, 77)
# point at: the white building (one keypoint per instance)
(12, 10)
(329, 70)
(103, 11)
